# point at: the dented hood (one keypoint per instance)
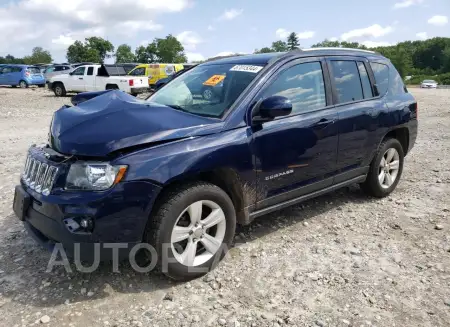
(116, 120)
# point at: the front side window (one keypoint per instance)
(302, 84)
(346, 80)
(381, 72)
(208, 90)
(138, 72)
(79, 71)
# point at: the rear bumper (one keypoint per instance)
(138, 90)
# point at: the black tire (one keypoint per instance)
(59, 89)
(372, 185)
(23, 84)
(159, 228)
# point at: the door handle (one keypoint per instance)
(80, 77)
(323, 123)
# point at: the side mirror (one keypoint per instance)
(271, 108)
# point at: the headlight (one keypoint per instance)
(94, 176)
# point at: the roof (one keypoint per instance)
(265, 58)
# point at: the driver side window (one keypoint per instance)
(79, 71)
(303, 84)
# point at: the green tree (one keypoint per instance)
(327, 44)
(264, 50)
(279, 46)
(292, 41)
(146, 54)
(38, 56)
(80, 52)
(103, 47)
(169, 50)
(124, 54)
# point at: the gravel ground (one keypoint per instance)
(339, 260)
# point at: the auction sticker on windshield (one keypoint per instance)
(214, 80)
(246, 68)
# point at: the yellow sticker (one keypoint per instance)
(214, 80)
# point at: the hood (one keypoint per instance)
(116, 120)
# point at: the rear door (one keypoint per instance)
(296, 155)
(89, 79)
(359, 109)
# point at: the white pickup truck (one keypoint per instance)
(89, 78)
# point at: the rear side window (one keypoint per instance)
(396, 82)
(365, 82)
(303, 85)
(16, 69)
(381, 72)
(90, 71)
(347, 81)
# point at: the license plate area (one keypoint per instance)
(22, 201)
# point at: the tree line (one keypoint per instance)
(428, 59)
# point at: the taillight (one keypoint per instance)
(131, 82)
(27, 74)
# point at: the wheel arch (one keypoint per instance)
(402, 135)
(111, 86)
(225, 178)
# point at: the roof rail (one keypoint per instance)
(337, 48)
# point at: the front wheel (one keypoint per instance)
(385, 170)
(192, 230)
(59, 89)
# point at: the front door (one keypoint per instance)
(89, 79)
(297, 154)
(77, 79)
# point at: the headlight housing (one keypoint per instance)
(92, 176)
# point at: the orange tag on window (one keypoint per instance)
(214, 80)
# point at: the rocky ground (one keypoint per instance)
(339, 260)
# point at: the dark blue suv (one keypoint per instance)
(178, 172)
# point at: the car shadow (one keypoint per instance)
(23, 263)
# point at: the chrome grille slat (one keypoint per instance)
(39, 176)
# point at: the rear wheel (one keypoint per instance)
(23, 84)
(385, 170)
(192, 230)
(59, 89)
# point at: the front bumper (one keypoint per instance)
(120, 215)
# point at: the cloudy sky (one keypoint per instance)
(211, 27)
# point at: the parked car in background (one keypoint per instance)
(155, 72)
(429, 84)
(56, 69)
(21, 76)
(179, 173)
(128, 66)
(163, 81)
(97, 78)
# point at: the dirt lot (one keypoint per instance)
(339, 260)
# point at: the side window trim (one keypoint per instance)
(372, 79)
(333, 86)
(290, 64)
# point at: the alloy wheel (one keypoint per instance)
(198, 233)
(389, 168)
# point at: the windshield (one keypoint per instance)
(429, 81)
(208, 90)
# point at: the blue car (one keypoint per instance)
(21, 76)
(176, 173)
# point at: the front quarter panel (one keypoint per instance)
(186, 158)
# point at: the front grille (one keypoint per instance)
(39, 176)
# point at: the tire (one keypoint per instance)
(59, 89)
(23, 84)
(175, 210)
(377, 183)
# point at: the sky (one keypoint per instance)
(208, 28)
